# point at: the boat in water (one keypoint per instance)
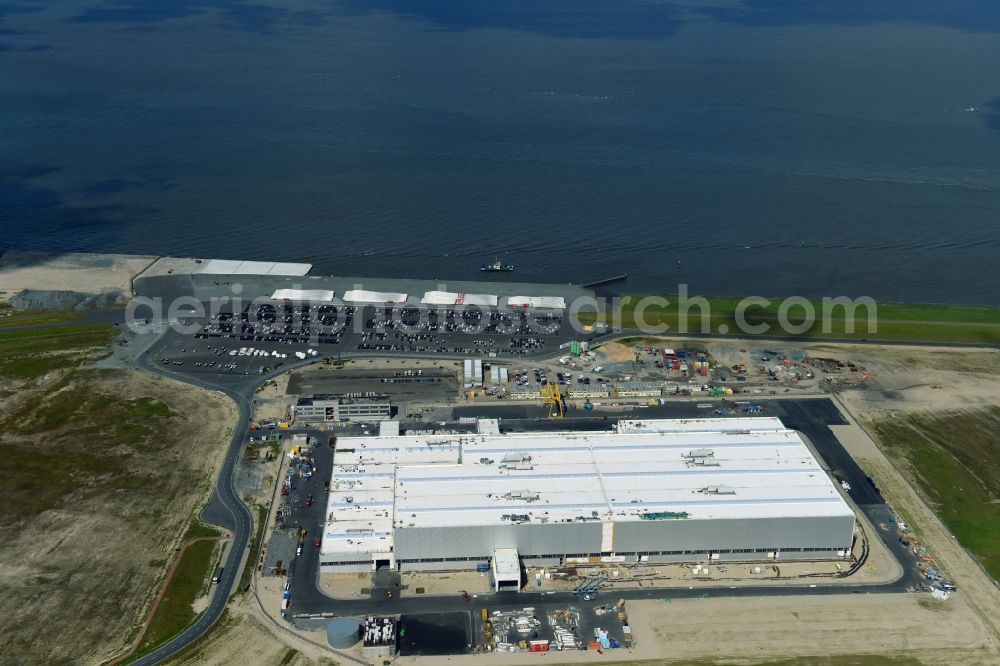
(497, 267)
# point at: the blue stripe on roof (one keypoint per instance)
(630, 447)
(430, 447)
(363, 505)
(522, 508)
(579, 475)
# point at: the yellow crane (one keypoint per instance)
(553, 397)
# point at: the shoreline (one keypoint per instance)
(83, 260)
(44, 276)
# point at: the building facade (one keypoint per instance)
(339, 409)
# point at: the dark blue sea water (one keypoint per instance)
(771, 146)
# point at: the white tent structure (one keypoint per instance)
(364, 296)
(453, 298)
(547, 302)
(303, 295)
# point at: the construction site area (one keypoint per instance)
(603, 602)
(581, 599)
(585, 495)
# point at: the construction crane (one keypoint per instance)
(553, 397)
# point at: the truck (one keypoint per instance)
(218, 575)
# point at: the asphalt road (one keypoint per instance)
(225, 509)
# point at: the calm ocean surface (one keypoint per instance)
(770, 146)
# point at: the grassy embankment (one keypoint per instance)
(26, 355)
(255, 543)
(927, 323)
(954, 459)
(191, 580)
(11, 318)
(90, 459)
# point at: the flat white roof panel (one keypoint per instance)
(236, 267)
(373, 297)
(762, 423)
(303, 295)
(756, 469)
(548, 302)
(220, 266)
(458, 298)
(506, 563)
(289, 269)
(439, 298)
(485, 300)
(254, 268)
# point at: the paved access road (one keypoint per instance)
(225, 509)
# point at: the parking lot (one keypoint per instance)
(470, 331)
(267, 337)
(282, 323)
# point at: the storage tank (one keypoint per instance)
(343, 632)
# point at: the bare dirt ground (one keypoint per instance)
(912, 379)
(808, 626)
(243, 638)
(921, 379)
(752, 631)
(246, 635)
(616, 352)
(82, 567)
(271, 403)
(734, 630)
(85, 273)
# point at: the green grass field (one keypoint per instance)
(929, 323)
(955, 457)
(255, 541)
(200, 529)
(11, 318)
(31, 354)
(190, 581)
